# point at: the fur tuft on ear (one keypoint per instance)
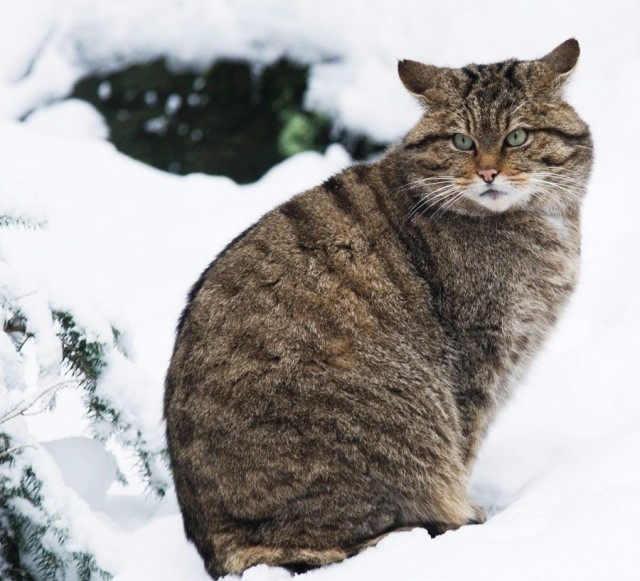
(563, 59)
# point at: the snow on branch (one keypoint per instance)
(48, 342)
(115, 395)
(19, 206)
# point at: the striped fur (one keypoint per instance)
(337, 366)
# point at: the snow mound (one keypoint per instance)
(72, 118)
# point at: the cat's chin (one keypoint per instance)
(499, 199)
(493, 193)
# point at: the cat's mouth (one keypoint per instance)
(493, 193)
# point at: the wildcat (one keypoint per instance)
(337, 365)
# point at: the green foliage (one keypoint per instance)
(84, 360)
(299, 132)
(32, 540)
(233, 119)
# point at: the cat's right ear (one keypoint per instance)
(422, 81)
(563, 59)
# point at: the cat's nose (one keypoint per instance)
(488, 175)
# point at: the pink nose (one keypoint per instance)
(488, 174)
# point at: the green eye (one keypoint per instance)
(517, 137)
(463, 142)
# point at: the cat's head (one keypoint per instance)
(496, 138)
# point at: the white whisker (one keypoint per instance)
(430, 199)
(429, 196)
(448, 204)
(553, 197)
(559, 176)
(433, 180)
(565, 188)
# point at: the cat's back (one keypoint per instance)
(309, 277)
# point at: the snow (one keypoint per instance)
(20, 205)
(91, 478)
(559, 473)
(70, 118)
(67, 509)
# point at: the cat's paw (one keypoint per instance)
(479, 516)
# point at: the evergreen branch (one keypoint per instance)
(33, 542)
(9, 453)
(85, 360)
(20, 221)
(16, 326)
(21, 408)
(36, 540)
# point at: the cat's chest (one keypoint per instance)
(503, 274)
(497, 291)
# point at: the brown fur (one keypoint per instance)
(337, 365)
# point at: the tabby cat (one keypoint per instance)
(337, 365)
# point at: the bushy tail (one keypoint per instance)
(299, 560)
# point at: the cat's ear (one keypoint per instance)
(423, 81)
(563, 59)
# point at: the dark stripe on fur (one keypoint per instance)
(419, 254)
(301, 224)
(551, 161)
(195, 289)
(510, 74)
(432, 167)
(493, 92)
(340, 194)
(472, 77)
(292, 210)
(425, 141)
(570, 137)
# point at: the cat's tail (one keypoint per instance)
(296, 559)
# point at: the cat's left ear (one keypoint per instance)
(563, 59)
(426, 82)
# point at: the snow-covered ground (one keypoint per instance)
(559, 473)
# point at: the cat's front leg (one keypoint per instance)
(475, 416)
